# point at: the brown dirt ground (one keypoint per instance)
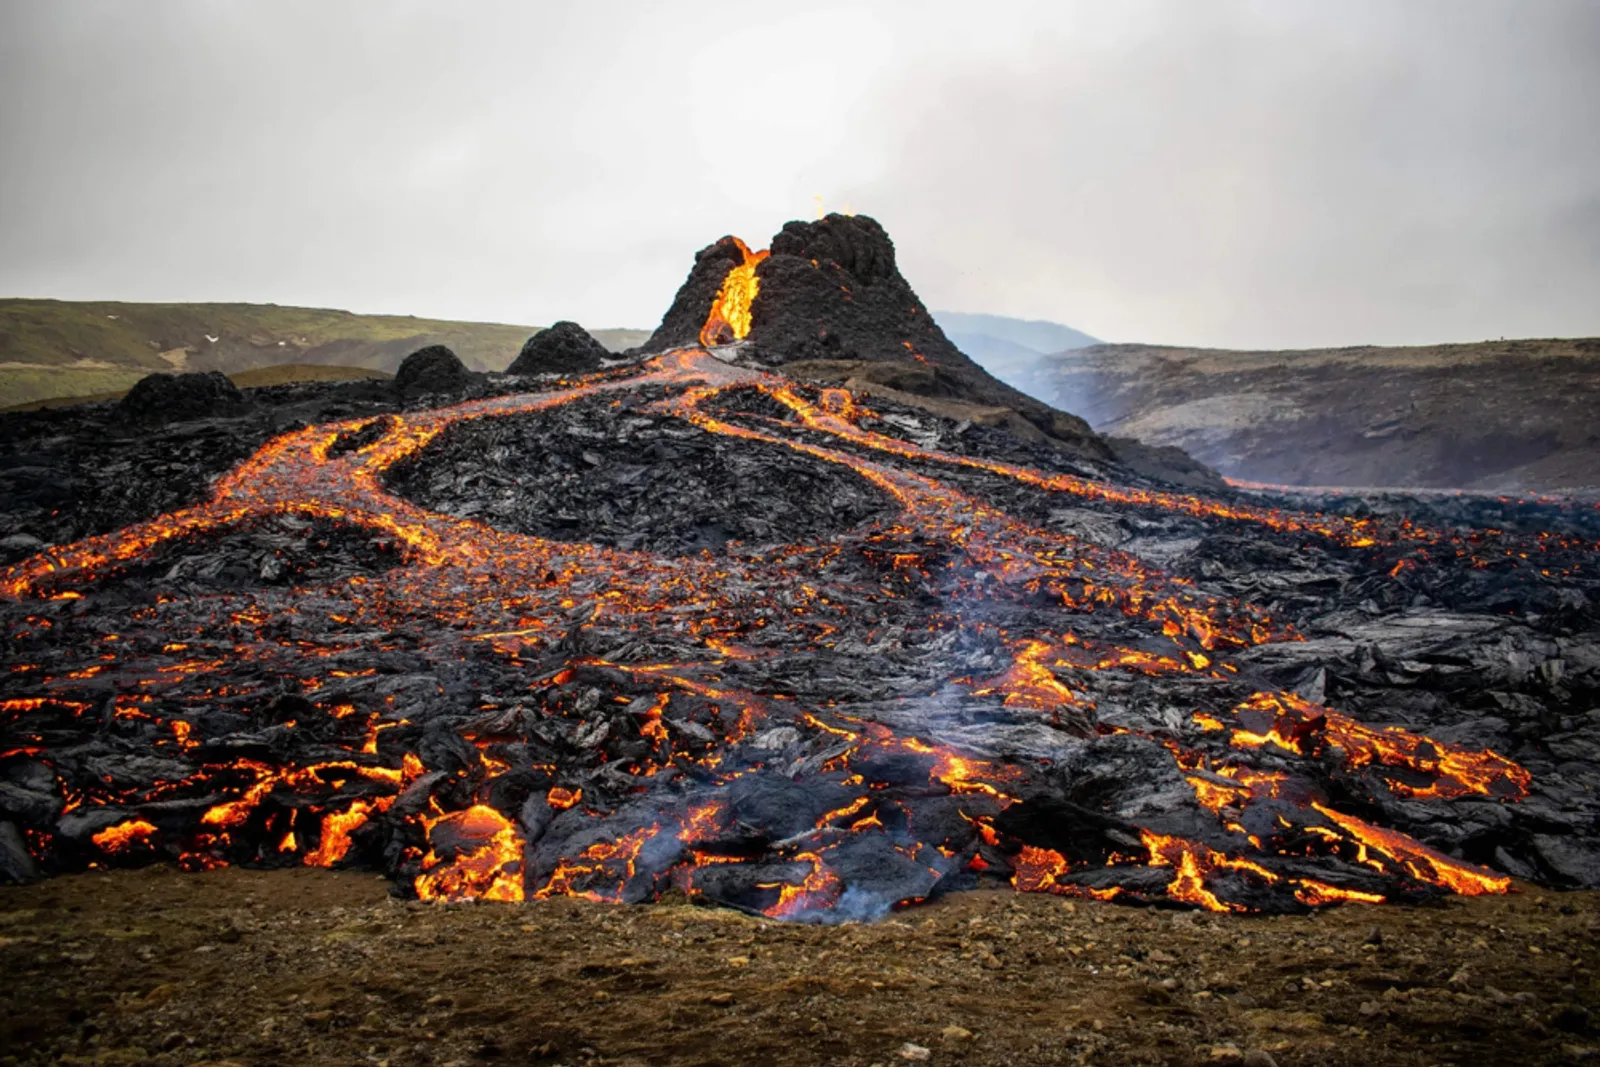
(314, 967)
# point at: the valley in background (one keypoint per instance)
(1495, 416)
(1506, 416)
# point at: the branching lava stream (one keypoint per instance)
(661, 736)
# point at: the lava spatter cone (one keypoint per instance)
(563, 348)
(827, 300)
(433, 369)
(809, 651)
(160, 398)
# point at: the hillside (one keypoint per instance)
(1010, 349)
(52, 348)
(255, 378)
(1496, 415)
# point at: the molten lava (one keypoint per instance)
(481, 817)
(729, 320)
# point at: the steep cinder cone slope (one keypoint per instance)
(828, 301)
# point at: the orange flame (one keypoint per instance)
(729, 320)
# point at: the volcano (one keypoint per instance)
(796, 611)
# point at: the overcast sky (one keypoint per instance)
(1244, 174)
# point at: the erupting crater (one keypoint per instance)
(896, 687)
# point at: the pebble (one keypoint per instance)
(914, 1053)
(956, 1034)
(1573, 1018)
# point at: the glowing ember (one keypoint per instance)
(1421, 862)
(1298, 726)
(729, 320)
(125, 835)
(337, 828)
(488, 865)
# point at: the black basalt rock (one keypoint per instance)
(681, 325)
(831, 290)
(831, 298)
(564, 348)
(163, 398)
(434, 369)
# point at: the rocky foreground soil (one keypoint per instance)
(317, 967)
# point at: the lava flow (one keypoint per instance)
(943, 696)
(729, 320)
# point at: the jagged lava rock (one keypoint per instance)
(434, 369)
(831, 290)
(564, 348)
(159, 398)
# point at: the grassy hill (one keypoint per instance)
(278, 374)
(54, 348)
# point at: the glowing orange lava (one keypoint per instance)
(729, 320)
(512, 592)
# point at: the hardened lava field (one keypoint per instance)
(936, 696)
(690, 625)
(590, 472)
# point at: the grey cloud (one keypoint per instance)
(1236, 173)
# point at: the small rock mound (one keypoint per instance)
(158, 398)
(434, 369)
(565, 348)
(641, 483)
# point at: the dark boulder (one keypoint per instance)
(162, 398)
(434, 369)
(565, 348)
(16, 863)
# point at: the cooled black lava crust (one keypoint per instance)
(640, 481)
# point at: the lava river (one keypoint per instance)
(663, 725)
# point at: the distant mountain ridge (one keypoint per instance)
(1502, 416)
(1037, 334)
(1012, 350)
